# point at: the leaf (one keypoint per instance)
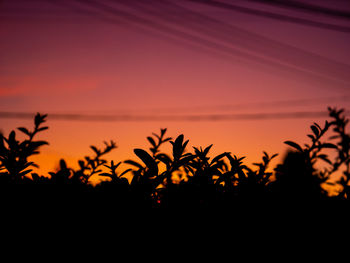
(164, 158)
(24, 130)
(206, 150)
(81, 164)
(315, 130)
(25, 172)
(177, 146)
(184, 161)
(163, 131)
(324, 158)
(218, 157)
(126, 171)
(35, 177)
(186, 154)
(151, 140)
(2, 146)
(148, 160)
(234, 161)
(197, 151)
(63, 165)
(327, 124)
(115, 166)
(12, 137)
(273, 156)
(27, 165)
(318, 126)
(37, 144)
(178, 142)
(183, 147)
(329, 145)
(38, 119)
(294, 145)
(179, 139)
(35, 165)
(97, 151)
(42, 128)
(136, 178)
(265, 159)
(105, 174)
(334, 137)
(95, 172)
(52, 174)
(240, 159)
(311, 137)
(156, 135)
(167, 139)
(133, 163)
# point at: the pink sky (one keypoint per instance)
(173, 57)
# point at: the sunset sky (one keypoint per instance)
(155, 58)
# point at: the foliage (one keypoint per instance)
(14, 154)
(184, 178)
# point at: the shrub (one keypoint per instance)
(181, 178)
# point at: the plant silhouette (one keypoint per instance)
(183, 177)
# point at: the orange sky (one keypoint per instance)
(169, 57)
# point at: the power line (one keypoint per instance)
(276, 16)
(271, 104)
(272, 51)
(269, 50)
(170, 118)
(219, 37)
(292, 4)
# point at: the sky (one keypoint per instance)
(172, 64)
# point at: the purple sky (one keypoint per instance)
(173, 57)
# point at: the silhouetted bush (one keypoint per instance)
(180, 179)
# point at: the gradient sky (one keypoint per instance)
(172, 58)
